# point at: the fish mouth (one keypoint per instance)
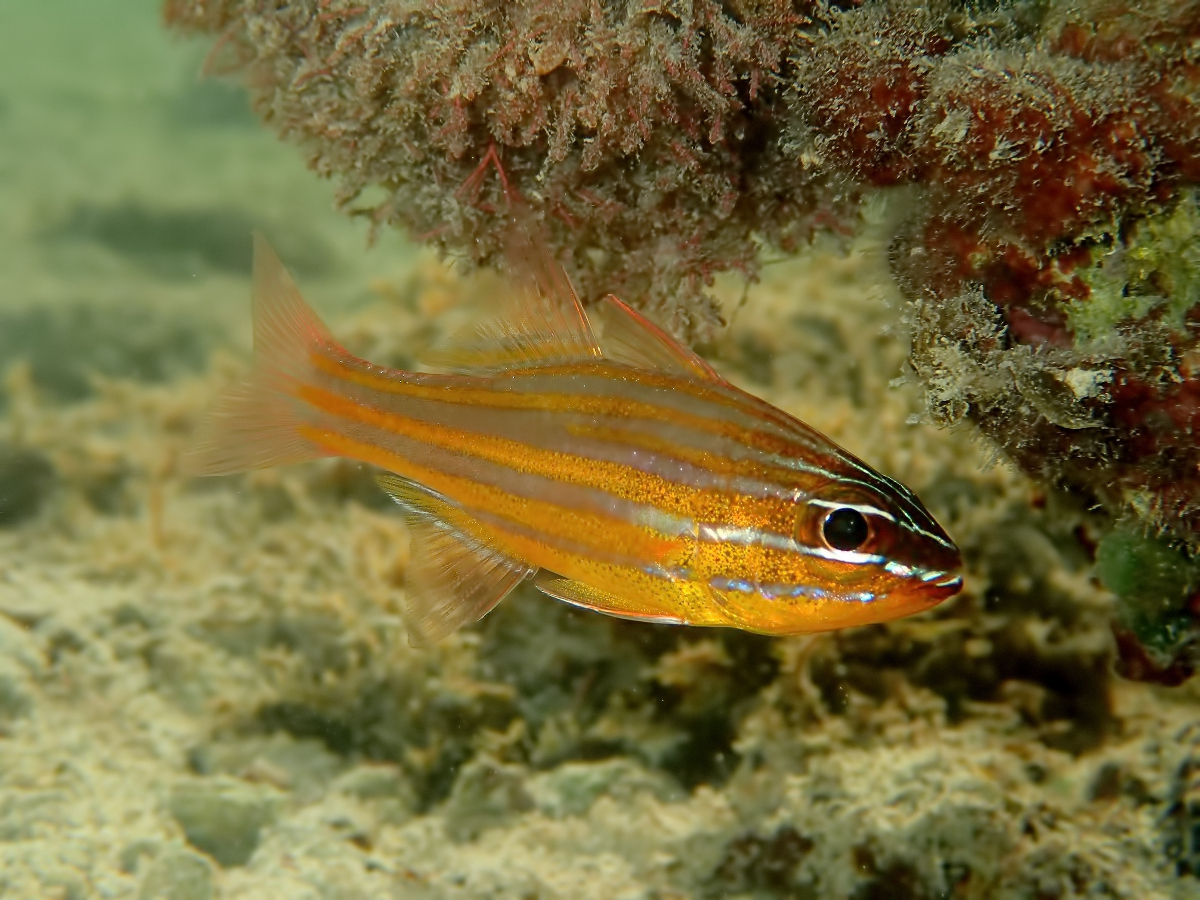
(940, 585)
(923, 592)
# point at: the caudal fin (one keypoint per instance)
(257, 423)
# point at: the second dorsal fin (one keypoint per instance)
(629, 337)
(540, 321)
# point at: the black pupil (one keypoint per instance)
(845, 529)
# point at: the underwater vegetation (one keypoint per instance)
(1048, 149)
(206, 689)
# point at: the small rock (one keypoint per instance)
(26, 479)
(178, 875)
(132, 854)
(15, 700)
(302, 767)
(572, 788)
(384, 787)
(223, 817)
(486, 793)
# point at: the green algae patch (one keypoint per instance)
(1153, 580)
(27, 477)
(1158, 268)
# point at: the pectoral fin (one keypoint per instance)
(579, 594)
(454, 578)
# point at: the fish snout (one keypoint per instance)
(939, 586)
(939, 571)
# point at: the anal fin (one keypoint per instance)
(453, 578)
(579, 594)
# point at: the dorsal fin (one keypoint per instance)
(539, 322)
(629, 337)
(453, 579)
(285, 328)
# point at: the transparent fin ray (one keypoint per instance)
(255, 424)
(453, 579)
(540, 321)
(629, 337)
(579, 594)
(286, 330)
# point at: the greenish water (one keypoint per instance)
(129, 183)
(205, 687)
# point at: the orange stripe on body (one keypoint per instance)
(610, 534)
(701, 459)
(596, 405)
(623, 482)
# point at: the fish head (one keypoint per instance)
(860, 552)
(882, 553)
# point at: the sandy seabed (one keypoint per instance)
(206, 689)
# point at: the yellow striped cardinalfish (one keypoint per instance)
(621, 470)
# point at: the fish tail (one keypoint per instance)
(257, 423)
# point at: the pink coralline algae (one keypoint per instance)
(644, 135)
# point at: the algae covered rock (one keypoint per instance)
(916, 819)
(486, 793)
(26, 479)
(303, 767)
(1155, 581)
(615, 121)
(385, 787)
(177, 875)
(223, 817)
(572, 788)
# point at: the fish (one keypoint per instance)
(592, 452)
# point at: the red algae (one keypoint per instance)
(643, 136)
(1036, 157)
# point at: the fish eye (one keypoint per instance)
(845, 529)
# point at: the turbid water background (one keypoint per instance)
(206, 688)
